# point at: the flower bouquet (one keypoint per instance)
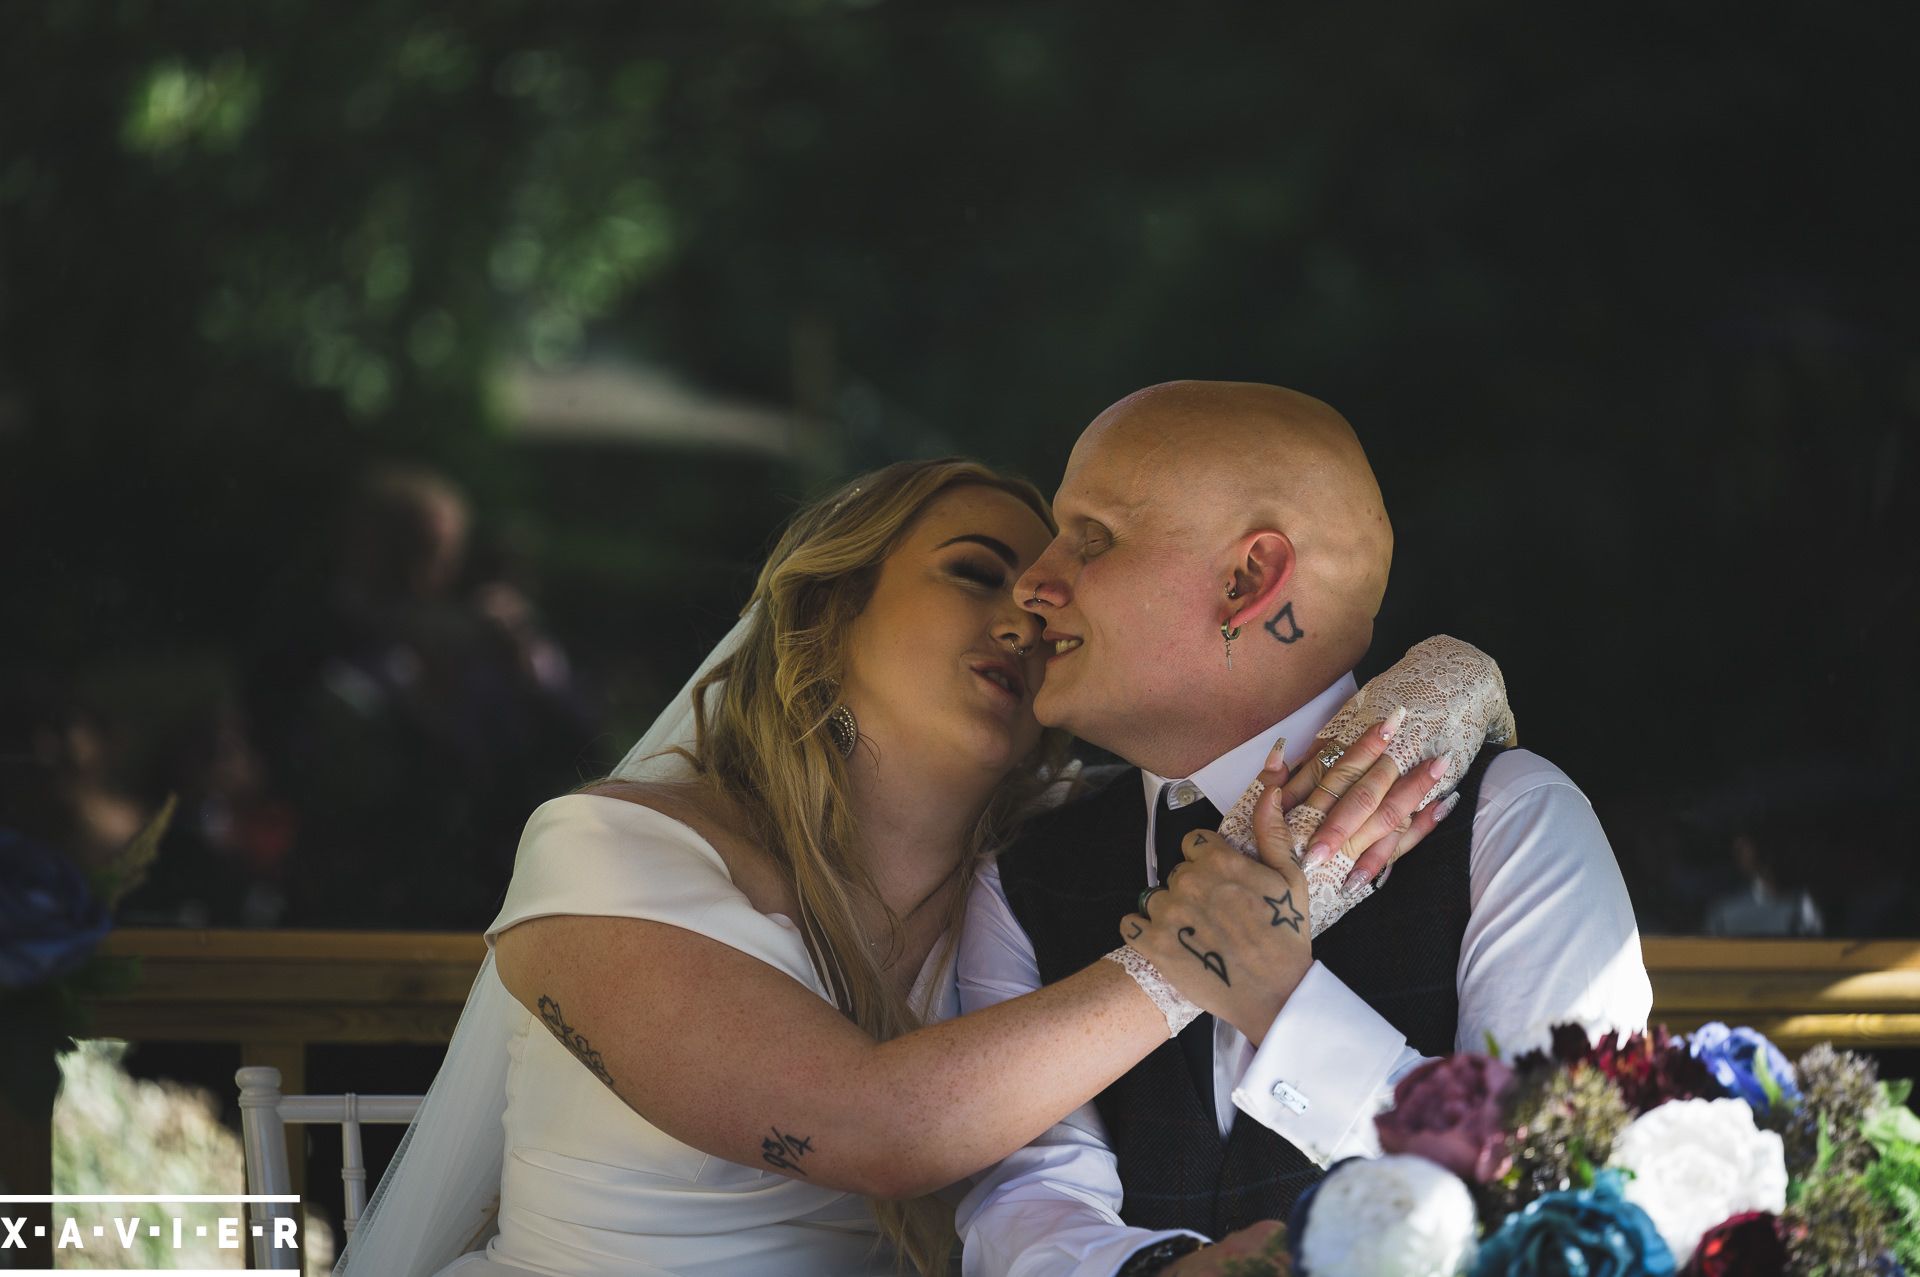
(1704, 1155)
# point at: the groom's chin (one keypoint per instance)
(1053, 710)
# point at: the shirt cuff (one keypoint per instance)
(1118, 1249)
(1323, 1070)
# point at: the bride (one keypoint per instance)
(714, 1032)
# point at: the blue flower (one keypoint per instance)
(50, 920)
(1745, 1063)
(1584, 1232)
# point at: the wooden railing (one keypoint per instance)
(1860, 994)
(273, 992)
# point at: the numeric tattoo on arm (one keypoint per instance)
(1284, 914)
(572, 1040)
(1284, 627)
(783, 1151)
(1211, 959)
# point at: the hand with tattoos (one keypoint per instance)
(1231, 931)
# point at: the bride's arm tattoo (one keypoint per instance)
(571, 1039)
(783, 1151)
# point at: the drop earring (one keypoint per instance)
(1229, 635)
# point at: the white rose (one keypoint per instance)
(1697, 1162)
(1399, 1216)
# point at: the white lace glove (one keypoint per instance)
(1455, 700)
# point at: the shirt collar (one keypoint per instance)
(1227, 777)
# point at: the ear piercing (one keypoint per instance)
(1229, 635)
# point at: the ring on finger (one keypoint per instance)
(1331, 755)
(1145, 897)
(1328, 792)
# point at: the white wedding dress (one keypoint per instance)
(587, 1185)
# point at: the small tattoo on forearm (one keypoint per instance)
(783, 1151)
(1211, 960)
(572, 1040)
(1291, 631)
(1284, 914)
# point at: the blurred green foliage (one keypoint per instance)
(1618, 297)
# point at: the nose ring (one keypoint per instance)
(1017, 649)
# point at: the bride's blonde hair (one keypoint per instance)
(763, 746)
(762, 743)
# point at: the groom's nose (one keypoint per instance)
(1044, 585)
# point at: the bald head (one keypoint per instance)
(1227, 457)
(1189, 510)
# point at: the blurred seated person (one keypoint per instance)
(1762, 907)
(420, 722)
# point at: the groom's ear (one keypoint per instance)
(1263, 567)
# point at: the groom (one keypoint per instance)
(1188, 511)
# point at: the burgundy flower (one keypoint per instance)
(1650, 1068)
(1452, 1111)
(1654, 1067)
(1748, 1245)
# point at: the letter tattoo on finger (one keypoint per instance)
(1284, 914)
(1136, 932)
(1292, 633)
(1211, 959)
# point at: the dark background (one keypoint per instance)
(1618, 297)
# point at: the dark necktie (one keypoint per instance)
(1170, 826)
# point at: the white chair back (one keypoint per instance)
(265, 1115)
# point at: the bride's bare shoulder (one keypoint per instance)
(699, 808)
(687, 802)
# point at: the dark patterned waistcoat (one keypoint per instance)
(1073, 873)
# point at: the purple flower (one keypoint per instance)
(50, 920)
(1737, 1057)
(1452, 1111)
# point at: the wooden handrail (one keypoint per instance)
(288, 988)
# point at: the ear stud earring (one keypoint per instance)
(845, 730)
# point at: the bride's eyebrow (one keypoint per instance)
(1000, 548)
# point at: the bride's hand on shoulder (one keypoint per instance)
(1372, 813)
(1231, 932)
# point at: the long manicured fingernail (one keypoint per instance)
(1315, 854)
(1392, 725)
(1438, 767)
(1277, 756)
(1355, 881)
(1447, 805)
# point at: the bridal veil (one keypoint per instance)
(440, 1193)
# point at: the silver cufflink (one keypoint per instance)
(1288, 1095)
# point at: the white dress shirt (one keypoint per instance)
(1551, 937)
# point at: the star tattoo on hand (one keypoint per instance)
(1284, 914)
